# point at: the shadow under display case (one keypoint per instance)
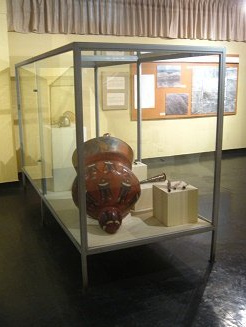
(83, 91)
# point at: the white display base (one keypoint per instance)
(143, 227)
(176, 207)
(140, 170)
(145, 201)
(63, 146)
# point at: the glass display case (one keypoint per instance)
(148, 96)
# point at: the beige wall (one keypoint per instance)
(163, 137)
(8, 168)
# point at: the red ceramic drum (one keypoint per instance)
(111, 187)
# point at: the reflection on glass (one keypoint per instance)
(30, 124)
(57, 139)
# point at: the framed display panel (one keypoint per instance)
(183, 90)
(85, 65)
(115, 88)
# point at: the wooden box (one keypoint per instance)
(175, 207)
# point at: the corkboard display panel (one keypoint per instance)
(183, 90)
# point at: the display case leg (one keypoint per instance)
(23, 179)
(84, 272)
(42, 207)
(213, 247)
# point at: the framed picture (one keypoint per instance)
(204, 89)
(168, 75)
(231, 90)
(115, 90)
(177, 103)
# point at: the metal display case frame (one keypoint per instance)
(141, 53)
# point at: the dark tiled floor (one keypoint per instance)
(166, 284)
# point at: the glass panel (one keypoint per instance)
(177, 139)
(107, 83)
(55, 80)
(184, 148)
(115, 104)
(30, 124)
(113, 95)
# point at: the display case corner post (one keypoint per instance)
(96, 86)
(218, 153)
(139, 113)
(85, 282)
(43, 208)
(80, 148)
(22, 158)
(41, 130)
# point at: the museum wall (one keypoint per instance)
(8, 168)
(198, 134)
